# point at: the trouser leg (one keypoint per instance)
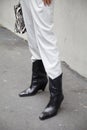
(30, 30)
(46, 40)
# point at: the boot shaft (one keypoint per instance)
(38, 67)
(55, 85)
(38, 72)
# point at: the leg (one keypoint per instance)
(39, 77)
(46, 42)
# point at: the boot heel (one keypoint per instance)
(43, 89)
(44, 86)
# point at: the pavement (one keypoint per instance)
(22, 113)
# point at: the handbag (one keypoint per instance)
(19, 21)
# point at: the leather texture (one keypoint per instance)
(39, 79)
(56, 98)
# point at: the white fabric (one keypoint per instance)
(41, 39)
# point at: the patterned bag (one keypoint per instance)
(19, 23)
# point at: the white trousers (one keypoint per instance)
(41, 39)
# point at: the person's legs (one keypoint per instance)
(44, 48)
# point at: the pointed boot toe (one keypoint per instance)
(23, 93)
(43, 116)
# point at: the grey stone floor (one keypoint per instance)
(22, 113)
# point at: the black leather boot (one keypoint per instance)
(56, 98)
(39, 79)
